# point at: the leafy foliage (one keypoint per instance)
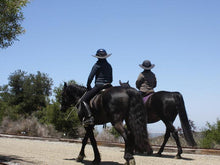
(27, 92)
(211, 135)
(11, 17)
(28, 96)
(51, 114)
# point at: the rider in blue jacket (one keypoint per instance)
(102, 71)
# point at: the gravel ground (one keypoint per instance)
(27, 152)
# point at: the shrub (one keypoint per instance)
(211, 135)
(110, 134)
(51, 114)
(105, 135)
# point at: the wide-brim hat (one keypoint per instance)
(146, 65)
(101, 54)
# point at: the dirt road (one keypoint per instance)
(27, 152)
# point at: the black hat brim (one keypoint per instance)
(103, 57)
(146, 68)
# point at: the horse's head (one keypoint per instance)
(70, 95)
(125, 84)
(65, 100)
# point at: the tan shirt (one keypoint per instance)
(146, 81)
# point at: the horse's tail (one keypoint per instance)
(184, 120)
(136, 121)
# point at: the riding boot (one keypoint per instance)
(88, 119)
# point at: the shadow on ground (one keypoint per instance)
(165, 156)
(86, 162)
(5, 159)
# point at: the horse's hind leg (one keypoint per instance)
(171, 129)
(166, 137)
(176, 137)
(129, 149)
(129, 143)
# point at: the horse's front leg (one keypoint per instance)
(97, 158)
(82, 151)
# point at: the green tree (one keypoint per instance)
(2, 107)
(4, 93)
(211, 135)
(28, 92)
(11, 16)
(28, 95)
(5, 108)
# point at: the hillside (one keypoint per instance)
(159, 140)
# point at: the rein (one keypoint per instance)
(75, 105)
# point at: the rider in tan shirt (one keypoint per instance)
(146, 81)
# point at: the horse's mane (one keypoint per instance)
(75, 89)
(77, 86)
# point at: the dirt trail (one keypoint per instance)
(27, 152)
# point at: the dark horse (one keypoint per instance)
(166, 106)
(115, 105)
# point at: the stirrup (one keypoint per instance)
(88, 121)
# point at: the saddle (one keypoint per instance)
(95, 98)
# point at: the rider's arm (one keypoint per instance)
(92, 75)
(155, 81)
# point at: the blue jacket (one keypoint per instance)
(102, 71)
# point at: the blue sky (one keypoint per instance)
(182, 38)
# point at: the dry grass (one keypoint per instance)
(171, 142)
(108, 137)
(29, 127)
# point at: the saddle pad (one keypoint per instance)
(145, 98)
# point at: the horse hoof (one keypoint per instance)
(80, 158)
(130, 162)
(178, 157)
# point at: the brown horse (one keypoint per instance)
(115, 105)
(166, 106)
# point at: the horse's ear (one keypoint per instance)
(120, 82)
(128, 82)
(65, 85)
